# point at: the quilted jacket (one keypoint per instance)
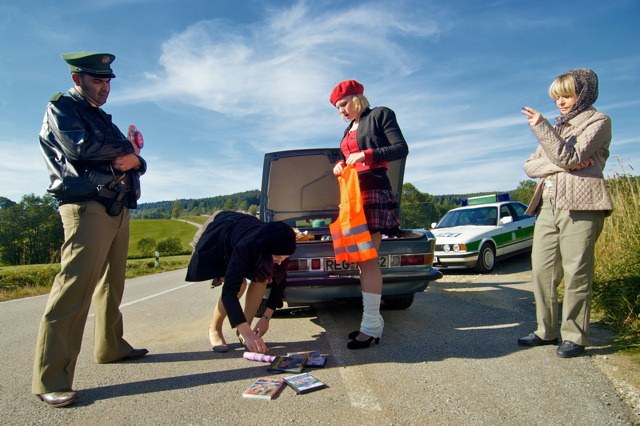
(588, 135)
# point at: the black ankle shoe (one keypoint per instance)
(362, 344)
(353, 334)
(569, 349)
(533, 340)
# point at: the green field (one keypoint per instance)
(160, 229)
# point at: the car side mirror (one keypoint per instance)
(505, 220)
(433, 225)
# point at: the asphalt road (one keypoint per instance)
(451, 358)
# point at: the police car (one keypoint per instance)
(485, 229)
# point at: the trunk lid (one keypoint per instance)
(299, 185)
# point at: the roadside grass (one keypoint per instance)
(32, 280)
(616, 287)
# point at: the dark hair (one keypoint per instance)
(264, 266)
(276, 238)
(265, 269)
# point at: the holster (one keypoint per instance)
(113, 196)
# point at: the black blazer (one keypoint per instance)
(227, 249)
(379, 130)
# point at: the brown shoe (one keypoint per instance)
(134, 354)
(59, 398)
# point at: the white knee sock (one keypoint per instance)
(372, 322)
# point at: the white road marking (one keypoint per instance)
(489, 327)
(133, 302)
(354, 377)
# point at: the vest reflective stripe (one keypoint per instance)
(350, 233)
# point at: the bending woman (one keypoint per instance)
(371, 140)
(234, 247)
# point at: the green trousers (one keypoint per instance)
(93, 262)
(563, 250)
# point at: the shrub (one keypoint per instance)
(170, 246)
(146, 246)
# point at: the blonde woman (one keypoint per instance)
(371, 140)
(571, 202)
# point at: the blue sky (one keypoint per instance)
(213, 85)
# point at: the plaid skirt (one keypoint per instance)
(381, 210)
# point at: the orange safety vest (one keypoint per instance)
(350, 233)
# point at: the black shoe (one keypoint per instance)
(569, 349)
(134, 354)
(533, 340)
(59, 398)
(362, 344)
(353, 334)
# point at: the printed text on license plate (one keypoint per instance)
(332, 265)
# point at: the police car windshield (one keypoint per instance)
(480, 216)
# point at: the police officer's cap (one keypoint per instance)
(95, 64)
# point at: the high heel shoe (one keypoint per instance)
(240, 338)
(353, 334)
(362, 344)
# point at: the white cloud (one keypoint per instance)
(23, 169)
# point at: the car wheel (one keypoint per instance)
(398, 302)
(486, 259)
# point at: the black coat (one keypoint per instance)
(79, 142)
(227, 248)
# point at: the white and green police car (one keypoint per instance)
(487, 228)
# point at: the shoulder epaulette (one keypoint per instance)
(55, 97)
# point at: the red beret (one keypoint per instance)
(345, 88)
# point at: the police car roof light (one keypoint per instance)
(483, 199)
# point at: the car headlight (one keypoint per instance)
(454, 247)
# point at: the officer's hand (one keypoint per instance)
(126, 162)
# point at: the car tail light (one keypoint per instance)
(414, 259)
(298, 265)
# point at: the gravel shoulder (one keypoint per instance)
(621, 369)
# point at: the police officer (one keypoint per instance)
(94, 171)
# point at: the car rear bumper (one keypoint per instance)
(318, 289)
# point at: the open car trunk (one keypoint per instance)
(299, 185)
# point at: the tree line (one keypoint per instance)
(31, 231)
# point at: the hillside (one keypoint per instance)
(189, 206)
(250, 201)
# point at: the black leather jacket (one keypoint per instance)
(78, 142)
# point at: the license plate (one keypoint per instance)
(435, 259)
(331, 265)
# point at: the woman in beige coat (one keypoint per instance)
(571, 201)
